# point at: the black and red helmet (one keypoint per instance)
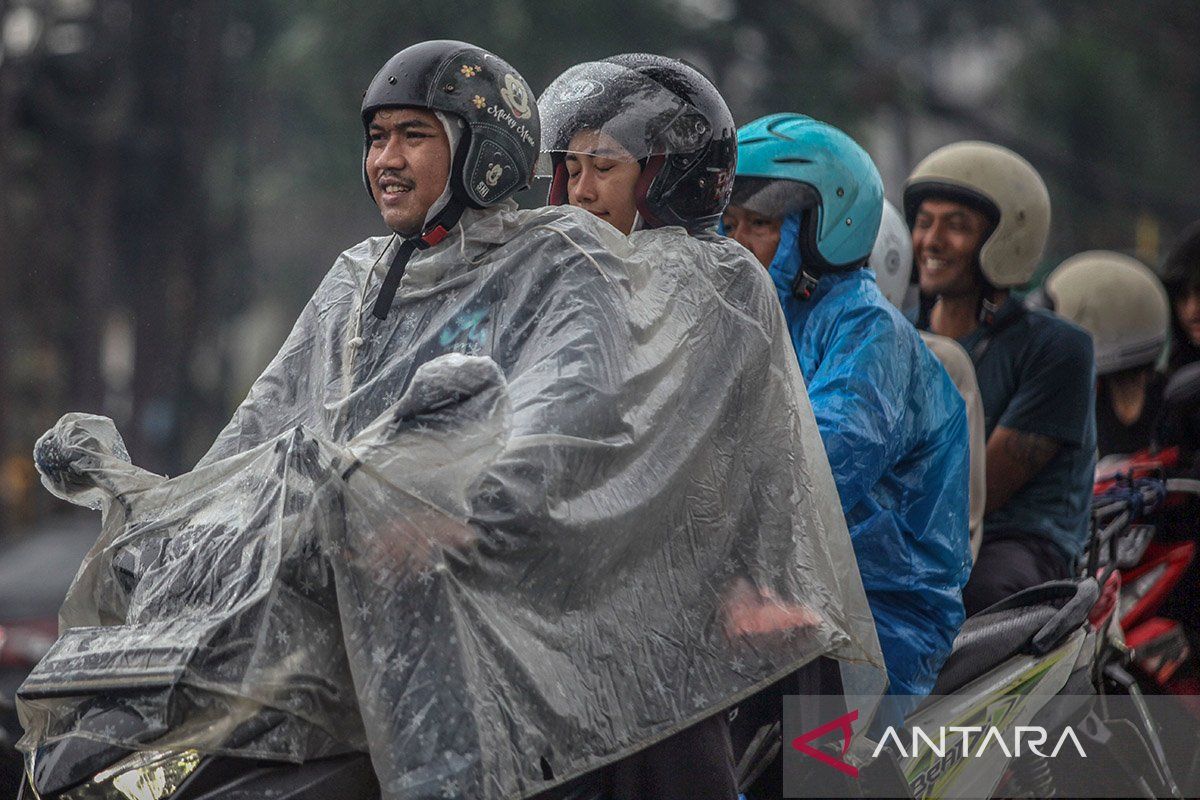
(495, 157)
(663, 113)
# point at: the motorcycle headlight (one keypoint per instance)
(149, 775)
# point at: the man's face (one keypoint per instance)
(946, 238)
(408, 164)
(757, 233)
(601, 176)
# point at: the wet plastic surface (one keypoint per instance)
(895, 429)
(568, 498)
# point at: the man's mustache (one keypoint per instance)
(395, 176)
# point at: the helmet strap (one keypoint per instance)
(990, 298)
(436, 230)
(988, 309)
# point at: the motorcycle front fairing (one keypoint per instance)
(622, 524)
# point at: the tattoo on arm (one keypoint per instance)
(1031, 448)
(1013, 459)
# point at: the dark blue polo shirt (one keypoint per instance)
(1037, 374)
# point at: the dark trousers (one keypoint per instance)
(1010, 562)
(694, 764)
(821, 678)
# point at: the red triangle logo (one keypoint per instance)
(843, 723)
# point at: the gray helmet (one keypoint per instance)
(1005, 188)
(496, 156)
(891, 257)
(1116, 299)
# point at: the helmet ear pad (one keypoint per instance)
(810, 230)
(645, 194)
(689, 189)
(557, 195)
(475, 166)
(457, 177)
(694, 188)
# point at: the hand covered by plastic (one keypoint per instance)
(83, 459)
(751, 611)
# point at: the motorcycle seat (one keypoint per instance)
(1033, 620)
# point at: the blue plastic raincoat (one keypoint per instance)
(895, 430)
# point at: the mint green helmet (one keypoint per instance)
(790, 163)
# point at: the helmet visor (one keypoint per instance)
(606, 109)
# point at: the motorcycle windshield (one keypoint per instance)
(567, 499)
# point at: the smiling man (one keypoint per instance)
(408, 164)
(980, 215)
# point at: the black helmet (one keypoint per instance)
(496, 155)
(1180, 275)
(1181, 269)
(666, 114)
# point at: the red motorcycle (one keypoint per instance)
(1152, 561)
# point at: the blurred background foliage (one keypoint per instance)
(176, 177)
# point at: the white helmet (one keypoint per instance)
(1005, 188)
(1116, 299)
(891, 258)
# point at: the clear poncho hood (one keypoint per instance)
(566, 500)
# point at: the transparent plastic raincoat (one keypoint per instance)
(567, 499)
(895, 432)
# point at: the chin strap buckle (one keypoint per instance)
(433, 237)
(988, 311)
(804, 285)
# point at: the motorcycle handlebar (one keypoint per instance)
(1183, 486)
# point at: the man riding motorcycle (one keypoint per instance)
(1124, 308)
(807, 202)
(979, 216)
(563, 608)
(648, 144)
(598, 141)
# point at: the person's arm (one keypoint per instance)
(1051, 408)
(858, 396)
(1013, 459)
